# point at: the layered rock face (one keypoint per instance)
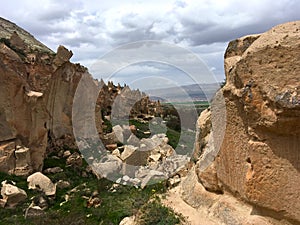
(24, 74)
(259, 159)
(37, 92)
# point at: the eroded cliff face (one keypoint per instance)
(259, 159)
(37, 92)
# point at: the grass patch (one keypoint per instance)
(154, 213)
(141, 128)
(124, 201)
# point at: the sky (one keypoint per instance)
(92, 29)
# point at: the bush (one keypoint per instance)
(154, 213)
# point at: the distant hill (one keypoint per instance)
(187, 93)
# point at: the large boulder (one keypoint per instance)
(12, 195)
(41, 182)
(259, 157)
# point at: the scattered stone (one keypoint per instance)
(41, 182)
(62, 184)
(53, 170)
(74, 160)
(118, 131)
(17, 42)
(126, 178)
(155, 157)
(116, 152)
(128, 151)
(41, 201)
(34, 211)
(34, 94)
(109, 164)
(143, 145)
(118, 181)
(135, 181)
(93, 202)
(174, 181)
(128, 221)
(66, 154)
(95, 193)
(11, 195)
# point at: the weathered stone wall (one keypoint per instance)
(259, 160)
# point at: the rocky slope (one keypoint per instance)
(37, 91)
(258, 161)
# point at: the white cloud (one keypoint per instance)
(92, 28)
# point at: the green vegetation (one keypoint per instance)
(115, 205)
(141, 128)
(107, 127)
(169, 108)
(154, 213)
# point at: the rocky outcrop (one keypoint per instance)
(37, 92)
(259, 158)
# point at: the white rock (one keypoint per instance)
(128, 221)
(126, 178)
(116, 152)
(40, 181)
(118, 181)
(66, 154)
(128, 151)
(12, 195)
(155, 157)
(107, 166)
(143, 145)
(135, 181)
(173, 181)
(118, 131)
(34, 94)
(34, 211)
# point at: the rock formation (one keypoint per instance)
(37, 92)
(259, 159)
